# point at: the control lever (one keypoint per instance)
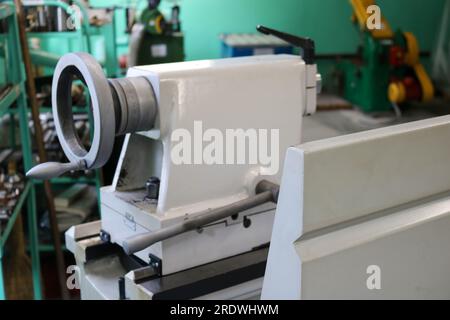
(306, 44)
(49, 170)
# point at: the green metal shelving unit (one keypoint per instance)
(83, 38)
(15, 94)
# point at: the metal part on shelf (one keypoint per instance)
(11, 186)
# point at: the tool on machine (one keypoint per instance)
(388, 70)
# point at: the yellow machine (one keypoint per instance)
(388, 63)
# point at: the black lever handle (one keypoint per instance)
(306, 44)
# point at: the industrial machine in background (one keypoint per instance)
(155, 39)
(387, 71)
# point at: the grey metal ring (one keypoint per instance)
(88, 70)
(122, 108)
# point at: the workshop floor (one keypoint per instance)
(332, 123)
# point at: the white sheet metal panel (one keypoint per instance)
(377, 198)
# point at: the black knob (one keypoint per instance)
(247, 222)
(105, 236)
(152, 187)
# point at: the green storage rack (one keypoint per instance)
(14, 94)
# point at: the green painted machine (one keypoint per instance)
(366, 80)
(155, 39)
(387, 72)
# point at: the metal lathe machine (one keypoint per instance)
(358, 216)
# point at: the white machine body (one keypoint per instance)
(358, 216)
(365, 216)
(265, 92)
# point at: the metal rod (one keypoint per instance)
(41, 149)
(268, 193)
